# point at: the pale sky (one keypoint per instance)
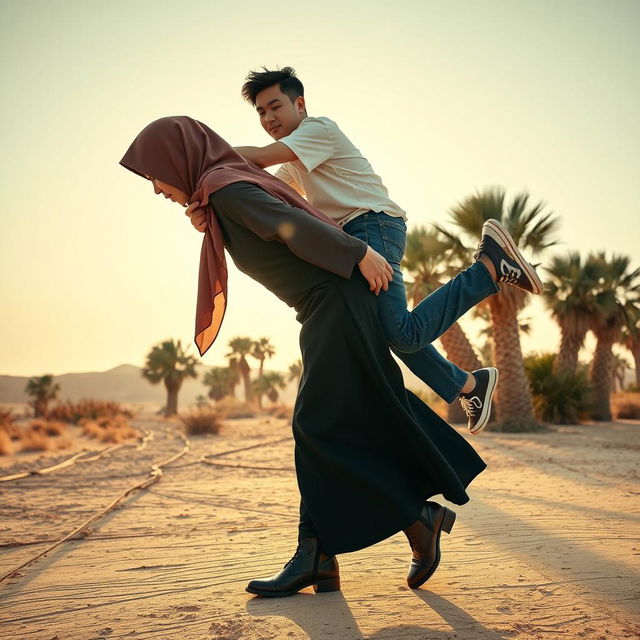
(442, 98)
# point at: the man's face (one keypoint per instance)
(278, 115)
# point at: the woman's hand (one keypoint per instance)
(198, 216)
(376, 270)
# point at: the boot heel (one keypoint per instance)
(327, 584)
(448, 520)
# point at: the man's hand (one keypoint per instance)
(198, 216)
(376, 270)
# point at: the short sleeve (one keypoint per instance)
(312, 142)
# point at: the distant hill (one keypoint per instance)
(126, 384)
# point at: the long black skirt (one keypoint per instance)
(368, 452)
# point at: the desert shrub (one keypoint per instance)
(33, 440)
(91, 429)
(117, 434)
(48, 427)
(559, 398)
(233, 408)
(87, 409)
(63, 442)
(6, 418)
(6, 444)
(284, 411)
(202, 421)
(9, 429)
(626, 405)
(109, 430)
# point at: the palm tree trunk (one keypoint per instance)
(459, 351)
(246, 377)
(172, 398)
(570, 345)
(635, 352)
(600, 376)
(515, 406)
(39, 408)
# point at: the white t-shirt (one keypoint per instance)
(332, 174)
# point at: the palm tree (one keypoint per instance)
(170, 363)
(295, 371)
(221, 381)
(42, 389)
(268, 384)
(568, 295)
(241, 347)
(619, 367)
(531, 229)
(201, 402)
(481, 312)
(430, 259)
(261, 350)
(631, 337)
(617, 295)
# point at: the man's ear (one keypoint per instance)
(301, 107)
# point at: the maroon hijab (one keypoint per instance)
(188, 155)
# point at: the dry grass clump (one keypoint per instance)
(87, 409)
(626, 404)
(283, 411)
(231, 408)
(6, 444)
(39, 435)
(34, 440)
(6, 418)
(49, 427)
(109, 430)
(202, 421)
(9, 431)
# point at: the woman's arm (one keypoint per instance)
(309, 238)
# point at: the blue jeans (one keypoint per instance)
(410, 333)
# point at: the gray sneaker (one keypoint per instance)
(477, 403)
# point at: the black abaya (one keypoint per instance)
(368, 452)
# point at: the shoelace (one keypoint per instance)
(479, 251)
(295, 555)
(414, 541)
(469, 405)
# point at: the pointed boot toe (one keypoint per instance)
(309, 566)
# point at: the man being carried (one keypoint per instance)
(322, 164)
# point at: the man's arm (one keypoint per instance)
(276, 153)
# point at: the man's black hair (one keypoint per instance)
(256, 81)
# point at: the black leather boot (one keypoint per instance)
(424, 538)
(309, 566)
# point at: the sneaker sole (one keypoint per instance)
(496, 231)
(486, 407)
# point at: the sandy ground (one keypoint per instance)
(548, 546)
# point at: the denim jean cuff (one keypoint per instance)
(492, 283)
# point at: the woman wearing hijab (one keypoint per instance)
(368, 453)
